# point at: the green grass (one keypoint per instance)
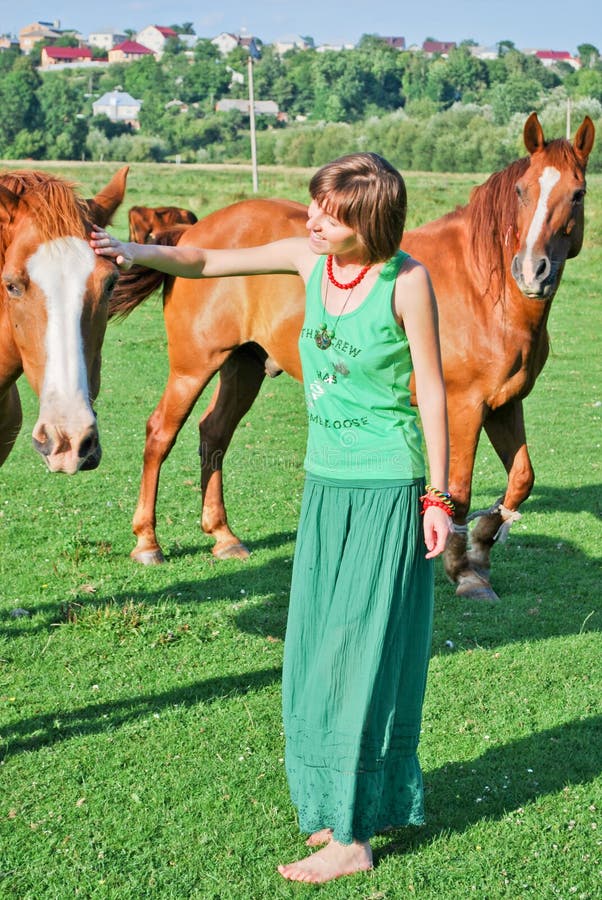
(141, 747)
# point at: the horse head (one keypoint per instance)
(550, 195)
(54, 306)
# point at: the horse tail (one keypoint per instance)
(138, 283)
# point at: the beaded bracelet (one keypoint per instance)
(431, 501)
(442, 496)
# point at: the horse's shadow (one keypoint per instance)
(535, 578)
(505, 778)
(268, 542)
(35, 732)
(545, 497)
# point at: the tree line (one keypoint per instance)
(458, 113)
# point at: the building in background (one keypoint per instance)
(128, 51)
(155, 37)
(118, 106)
(106, 40)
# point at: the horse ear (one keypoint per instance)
(533, 134)
(584, 140)
(108, 199)
(8, 205)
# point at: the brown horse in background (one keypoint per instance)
(145, 222)
(495, 263)
(54, 303)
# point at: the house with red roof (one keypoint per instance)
(155, 37)
(551, 57)
(52, 56)
(438, 48)
(128, 51)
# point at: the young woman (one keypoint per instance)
(359, 625)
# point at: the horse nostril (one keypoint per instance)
(543, 269)
(42, 443)
(43, 447)
(87, 446)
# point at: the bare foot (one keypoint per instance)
(332, 861)
(324, 836)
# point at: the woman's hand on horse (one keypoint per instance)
(105, 245)
(437, 529)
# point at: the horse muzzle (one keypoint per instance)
(65, 452)
(537, 279)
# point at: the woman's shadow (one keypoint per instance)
(503, 780)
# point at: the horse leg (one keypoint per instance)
(239, 381)
(162, 428)
(11, 419)
(465, 425)
(505, 428)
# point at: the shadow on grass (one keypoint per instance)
(546, 498)
(503, 780)
(230, 582)
(269, 542)
(42, 731)
(547, 588)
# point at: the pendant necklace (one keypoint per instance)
(325, 336)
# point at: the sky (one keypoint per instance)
(543, 24)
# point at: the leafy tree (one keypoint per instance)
(184, 28)
(589, 83)
(517, 95)
(438, 87)
(415, 76)
(28, 145)
(504, 47)
(113, 78)
(19, 102)
(467, 74)
(64, 126)
(299, 68)
(589, 55)
(145, 78)
(204, 81)
(8, 58)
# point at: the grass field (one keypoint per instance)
(141, 746)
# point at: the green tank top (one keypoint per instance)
(361, 423)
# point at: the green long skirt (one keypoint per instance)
(355, 658)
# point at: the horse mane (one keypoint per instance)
(59, 211)
(136, 284)
(492, 216)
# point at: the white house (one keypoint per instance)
(262, 107)
(323, 48)
(155, 37)
(225, 42)
(118, 106)
(106, 40)
(291, 42)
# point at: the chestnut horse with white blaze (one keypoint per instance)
(495, 263)
(54, 303)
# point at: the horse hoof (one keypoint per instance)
(473, 587)
(231, 551)
(148, 557)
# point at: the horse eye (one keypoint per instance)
(12, 289)
(578, 196)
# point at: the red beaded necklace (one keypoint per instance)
(350, 284)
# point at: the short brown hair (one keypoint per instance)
(368, 194)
